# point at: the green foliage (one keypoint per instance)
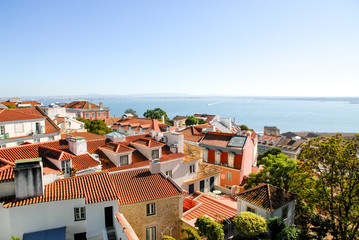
(276, 171)
(201, 121)
(275, 226)
(289, 233)
(191, 120)
(165, 237)
(191, 234)
(157, 113)
(272, 151)
(209, 228)
(248, 224)
(10, 106)
(131, 111)
(95, 126)
(244, 127)
(15, 238)
(327, 180)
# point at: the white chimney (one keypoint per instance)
(155, 167)
(28, 178)
(77, 145)
(101, 105)
(175, 141)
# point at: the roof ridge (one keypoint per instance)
(215, 200)
(269, 196)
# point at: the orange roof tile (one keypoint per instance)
(94, 187)
(266, 196)
(145, 124)
(148, 142)
(209, 206)
(81, 105)
(86, 135)
(7, 115)
(140, 185)
(117, 147)
(7, 174)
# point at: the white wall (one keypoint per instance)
(27, 127)
(242, 207)
(115, 157)
(7, 189)
(291, 212)
(147, 152)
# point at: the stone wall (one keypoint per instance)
(168, 215)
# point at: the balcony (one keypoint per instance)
(4, 136)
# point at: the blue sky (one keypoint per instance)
(197, 47)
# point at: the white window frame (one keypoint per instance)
(2, 130)
(151, 209)
(228, 175)
(205, 155)
(104, 114)
(192, 168)
(230, 160)
(79, 213)
(169, 173)
(157, 155)
(98, 114)
(151, 233)
(66, 166)
(87, 115)
(93, 115)
(218, 157)
(122, 159)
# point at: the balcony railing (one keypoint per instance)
(4, 136)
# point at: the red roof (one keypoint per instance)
(7, 173)
(81, 105)
(206, 117)
(86, 135)
(217, 139)
(14, 104)
(117, 147)
(7, 115)
(194, 133)
(209, 206)
(144, 124)
(140, 185)
(94, 187)
(148, 142)
(269, 140)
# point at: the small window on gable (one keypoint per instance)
(285, 212)
(155, 154)
(250, 209)
(228, 175)
(151, 233)
(80, 213)
(192, 168)
(169, 173)
(124, 160)
(65, 166)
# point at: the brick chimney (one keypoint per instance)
(28, 178)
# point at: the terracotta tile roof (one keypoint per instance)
(86, 135)
(112, 120)
(269, 140)
(209, 206)
(205, 171)
(193, 152)
(94, 187)
(289, 144)
(117, 147)
(7, 174)
(194, 133)
(266, 196)
(172, 156)
(141, 164)
(84, 161)
(4, 162)
(7, 115)
(217, 139)
(54, 153)
(177, 118)
(14, 104)
(148, 142)
(206, 117)
(81, 105)
(140, 185)
(145, 124)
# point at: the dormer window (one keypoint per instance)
(155, 154)
(65, 166)
(124, 160)
(218, 157)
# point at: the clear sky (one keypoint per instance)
(198, 47)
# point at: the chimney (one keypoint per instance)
(28, 178)
(175, 141)
(155, 167)
(90, 107)
(77, 145)
(163, 119)
(101, 105)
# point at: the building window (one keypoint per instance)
(80, 213)
(229, 187)
(205, 155)
(19, 127)
(93, 115)
(65, 166)
(155, 154)
(230, 159)
(3, 146)
(2, 130)
(37, 140)
(98, 115)
(250, 209)
(104, 114)
(151, 209)
(218, 157)
(51, 138)
(228, 175)
(169, 173)
(124, 160)
(87, 115)
(192, 168)
(151, 233)
(285, 212)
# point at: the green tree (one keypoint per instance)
(272, 151)
(131, 111)
(209, 228)
(275, 171)
(275, 226)
(10, 106)
(191, 234)
(289, 233)
(244, 127)
(15, 238)
(248, 224)
(165, 237)
(201, 121)
(157, 113)
(191, 120)
(327, 180)
(95, 126)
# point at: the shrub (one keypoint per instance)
(248, 224)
